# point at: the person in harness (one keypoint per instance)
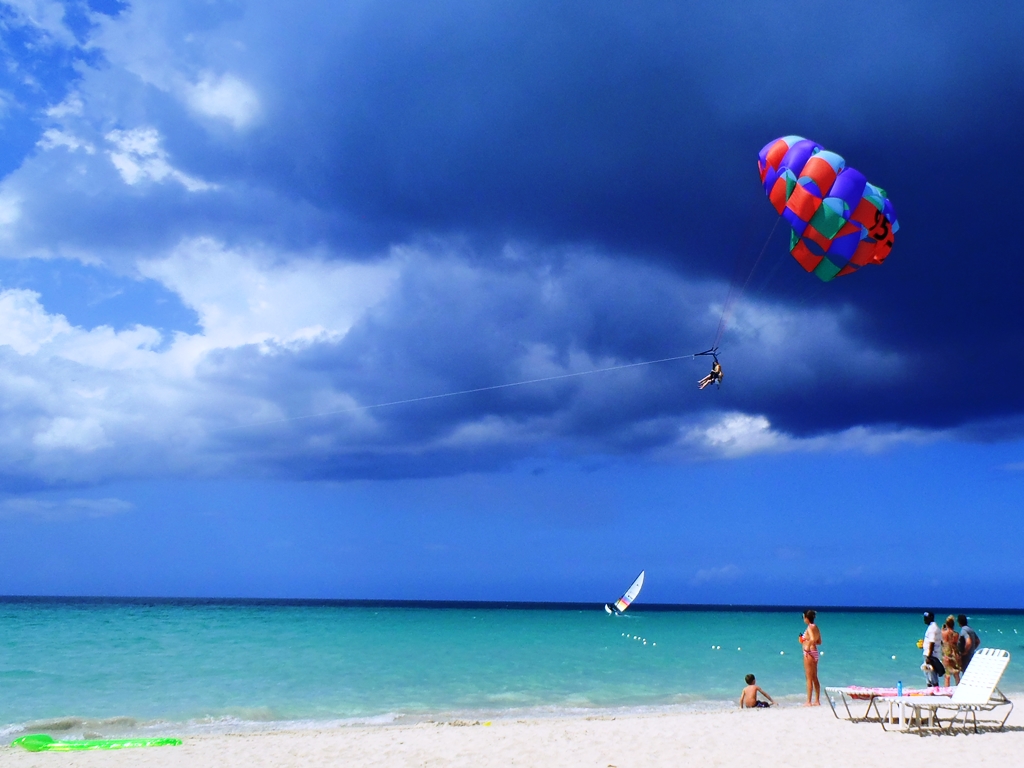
(715, 377)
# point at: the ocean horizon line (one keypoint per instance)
(550, 605)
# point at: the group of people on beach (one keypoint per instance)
(947, 652)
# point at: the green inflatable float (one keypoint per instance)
(40, 742)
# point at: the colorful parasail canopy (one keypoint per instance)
(840, 220)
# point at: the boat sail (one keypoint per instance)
(628, 597)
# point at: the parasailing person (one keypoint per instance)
(715, 377)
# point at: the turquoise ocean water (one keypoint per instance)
(114, 668)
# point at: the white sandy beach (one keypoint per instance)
(787, 736)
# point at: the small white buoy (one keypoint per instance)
(739, 649)
(645, 642)
(894, 658)
(782, 653)
(654, 644)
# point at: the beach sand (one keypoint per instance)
(786, 736)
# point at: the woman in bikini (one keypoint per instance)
(809, 641)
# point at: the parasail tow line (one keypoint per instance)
(355, 408)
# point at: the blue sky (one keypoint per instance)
(220, 218)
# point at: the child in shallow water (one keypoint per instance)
(749, 696)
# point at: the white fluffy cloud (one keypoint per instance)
(10, 212)
(138, 42)
(24, 324)
(737, 434)
(71, 106)
(138, 157)
(733, 435)
(241, 300)
(227, 98)
(54, 138)
(252, 299)
(85, 403)
(45, 15)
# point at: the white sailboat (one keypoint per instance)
(628, 596)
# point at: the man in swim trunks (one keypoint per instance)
(748, 699)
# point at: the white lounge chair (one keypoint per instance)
(849, 694)
(978, 691)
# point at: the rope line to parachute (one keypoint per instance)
(490, 388)
(737, 266)
(734, 297)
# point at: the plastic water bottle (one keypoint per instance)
(899, 687)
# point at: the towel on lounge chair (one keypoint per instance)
(860, 692)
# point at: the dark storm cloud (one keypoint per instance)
(626, 131)
(636, 128)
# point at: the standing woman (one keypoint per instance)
(809, 641)
(951, 651)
